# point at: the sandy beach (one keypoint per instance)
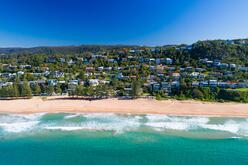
(137, 106)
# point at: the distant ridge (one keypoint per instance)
(96, 48)
(62, 49)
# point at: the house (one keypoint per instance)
(213, 83)
(158, 61)
(52, 82)
(128, 91)
(152, 68)
(71, 62)
(155, 86)
(166, 86)
(229, 42)
(86, 62)
(228, 74)
(232, 85)
(88, 74)
(61, 82)
(209, 63)
(243, 85)
(41, 82)
(5, 84)
(119, 76)
(172, 68)
(19, 73)
(243, 69)
(51, 60)
(73, 82)
(141, 60)
(194, 74)
(175, 84)
(182, 69)
(155, 50)
(108, 68)
(10, 67)
(38, 74)
(32, 83)
(1, 84)
(25, 66)
(152, 60)
(131, 51)
(200, 69)
(72, 85)
(111, 60)
(94, 82)
(96, 56)
(62, 60)
(176, 75)
(130, 58)
(46, 73)
(216, 74)
(189, 69)
(168, 61)
(161, 75)
(232, 66)
(123, 59)
(223, 66)
(216, 63)
(133, 77)
(195, 84)
(100, 68)
(222, 84)
(201, 76)
(204, 61)
(58, 74)
(203, 83)
(104, 82)
(89, 69)
(6, 75)
(80, 59)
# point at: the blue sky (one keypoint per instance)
(28, 23)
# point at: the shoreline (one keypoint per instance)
(64, 104)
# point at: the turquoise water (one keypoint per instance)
(62, 139)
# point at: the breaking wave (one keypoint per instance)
(14, 123)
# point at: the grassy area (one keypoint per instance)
(241, 89)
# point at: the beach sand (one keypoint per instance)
(137, 106)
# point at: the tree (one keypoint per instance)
(136, 88)
(81, 75)
(26, 90)
(80, 90)
(197, 94)
(58, 89)
(50, 90)
(36, 90)
(15, 91)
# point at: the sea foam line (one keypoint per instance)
(13, 123)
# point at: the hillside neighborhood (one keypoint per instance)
(169, 71)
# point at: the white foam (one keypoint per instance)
(16, 123)
(72, 116)
(63, 128)
(17, 127)
(162, 122)
(108, 122)
(235, 127)
(229, 126)
(169, 125)
(119, 123)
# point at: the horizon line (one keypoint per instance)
(78, 45)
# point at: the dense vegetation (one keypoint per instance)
(126, 71)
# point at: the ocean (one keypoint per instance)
(112, 139)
